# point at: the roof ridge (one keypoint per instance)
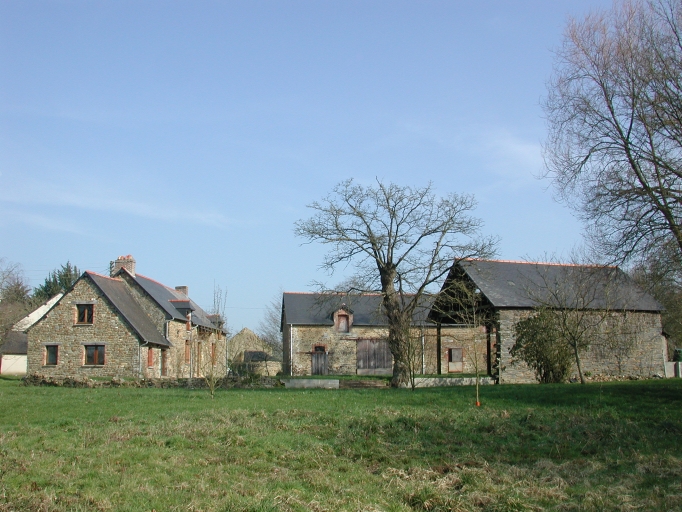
(92, 273)
(550, 263)
(157, 282)
(338, 293)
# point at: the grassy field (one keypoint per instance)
(615, 446)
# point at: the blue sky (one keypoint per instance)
(193, 134)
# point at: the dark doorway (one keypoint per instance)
(319, 361)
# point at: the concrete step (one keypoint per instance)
(363, 384)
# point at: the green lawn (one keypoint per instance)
(613, 446)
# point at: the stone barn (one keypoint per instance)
(625, 322)
(330, 334)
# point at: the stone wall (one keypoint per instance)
(58, 327)
(341, 348)
(629, 344)
(511, 372)
(473, 341)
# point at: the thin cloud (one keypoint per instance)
(50, 194)
(50, 223)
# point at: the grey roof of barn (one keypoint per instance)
(318, 309)
(510, 284)
(15, 343)
(117, 292)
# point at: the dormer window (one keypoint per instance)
(343, 323)
(343, 320)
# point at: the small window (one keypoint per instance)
(455, 360)
(344, 324)
(94, 355)
(84, 313)
(51, 355)
(150, 357)
(319, 348)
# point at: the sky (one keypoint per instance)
(192, 134)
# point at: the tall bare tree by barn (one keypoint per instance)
(402, 240)
(614, 110)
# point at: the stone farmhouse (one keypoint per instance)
(476, 329)
(126, 325)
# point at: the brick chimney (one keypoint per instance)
(183, 289)
(126, 262)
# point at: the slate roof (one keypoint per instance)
(37, 314)
(173, 301)
(117, 292)
(317, 309)
(510, 284)
(16, 343)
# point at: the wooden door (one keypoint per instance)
(319, 361)
(455, 360)
(374, 358)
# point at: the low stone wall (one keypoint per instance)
(673, 369)
(311, 383)
(432, 382)
(194, 383)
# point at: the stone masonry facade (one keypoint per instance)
(194, 351)
(624, 344)
(341, 348)
(58, 328)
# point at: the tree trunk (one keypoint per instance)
(398, 329)
(577, 363)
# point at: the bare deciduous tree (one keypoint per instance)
(269, 327)
(614, 110)
(213, 362)
(15, 298)
(661, 276)
(402, 241)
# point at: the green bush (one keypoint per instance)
(539, 345)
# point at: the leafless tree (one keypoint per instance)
(269, 327)
(463, 303)
(614, 110)
(15, 299)
(402, 241)
(661, 276)
(575, 296)
(213, 362)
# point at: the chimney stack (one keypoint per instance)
(183, 289)
(126, 262)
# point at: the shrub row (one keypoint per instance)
(250, 381)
